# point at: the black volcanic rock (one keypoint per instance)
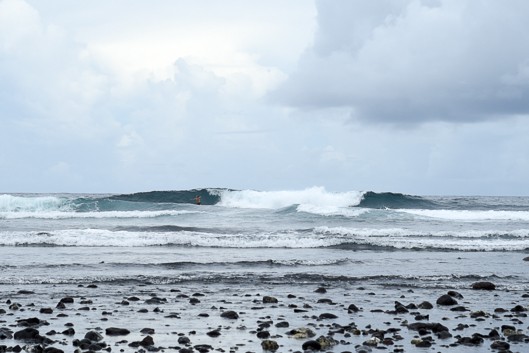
(483, 286)
(28, 334)
(115, 331)
(230, 314)
(446, 300)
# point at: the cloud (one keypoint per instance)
(70, 98)
(411, 61)
(126, 96)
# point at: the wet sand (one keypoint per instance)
(222, 318)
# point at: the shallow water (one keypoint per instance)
(366, 248)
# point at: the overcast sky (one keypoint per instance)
(412, 96)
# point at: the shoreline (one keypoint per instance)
(187, 318)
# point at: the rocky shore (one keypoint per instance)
(266, 317)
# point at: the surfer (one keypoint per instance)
(197, 199)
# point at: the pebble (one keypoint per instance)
(340, 331)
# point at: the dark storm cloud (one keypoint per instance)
(413, 61)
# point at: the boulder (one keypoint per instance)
(500, 346)
(263, 334)
(426, 305)
(269, 300)
(400, 308)
(518, 338)
(518, 309)
(28, 334)
(483, 286)
(269, 345)
(93, 336)
(326, 342)
(184, 340)
(69, 332)
(311, 345)
(46, 311)
(31, 322)
(214, 333)
(455, 294)
(5, 333)
(230, 314)
(470, 341)
(302, 332)
(25, 292)
(352, 308)
(430, 326)
(327, 316)
(147, 331)
(115, 331)
(53, 350)
(147, 342)
(446, 300)
(156, 301)
(363, 349)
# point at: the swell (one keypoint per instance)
(315, 199)
(396, 200)
(207, 196)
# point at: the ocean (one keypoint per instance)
(251, 241)
(237, 236)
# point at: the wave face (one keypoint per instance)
(13, 203)
(312, 200)
(207, 196)
(395, 201)
(142, 201)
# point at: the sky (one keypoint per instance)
(424, 97)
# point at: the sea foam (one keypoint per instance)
(12, 203)
(472, 215)
(315, 196)
(93, 215)
(320, 237)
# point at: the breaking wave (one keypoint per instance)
(312, 200)
(320, 237)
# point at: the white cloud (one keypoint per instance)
(129, 96)
(156, 91)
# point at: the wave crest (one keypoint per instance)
(314, 196)
(13, 203)
(321, 237)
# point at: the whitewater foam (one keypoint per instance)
(332, 210)
(406, 239)
(401, 232)
(315, 196)
(11, 203)
(320, 237)
(94, 215)
(471, 215)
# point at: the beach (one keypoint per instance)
(340, 316)
(254, 271)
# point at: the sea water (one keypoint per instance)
(248, 237)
